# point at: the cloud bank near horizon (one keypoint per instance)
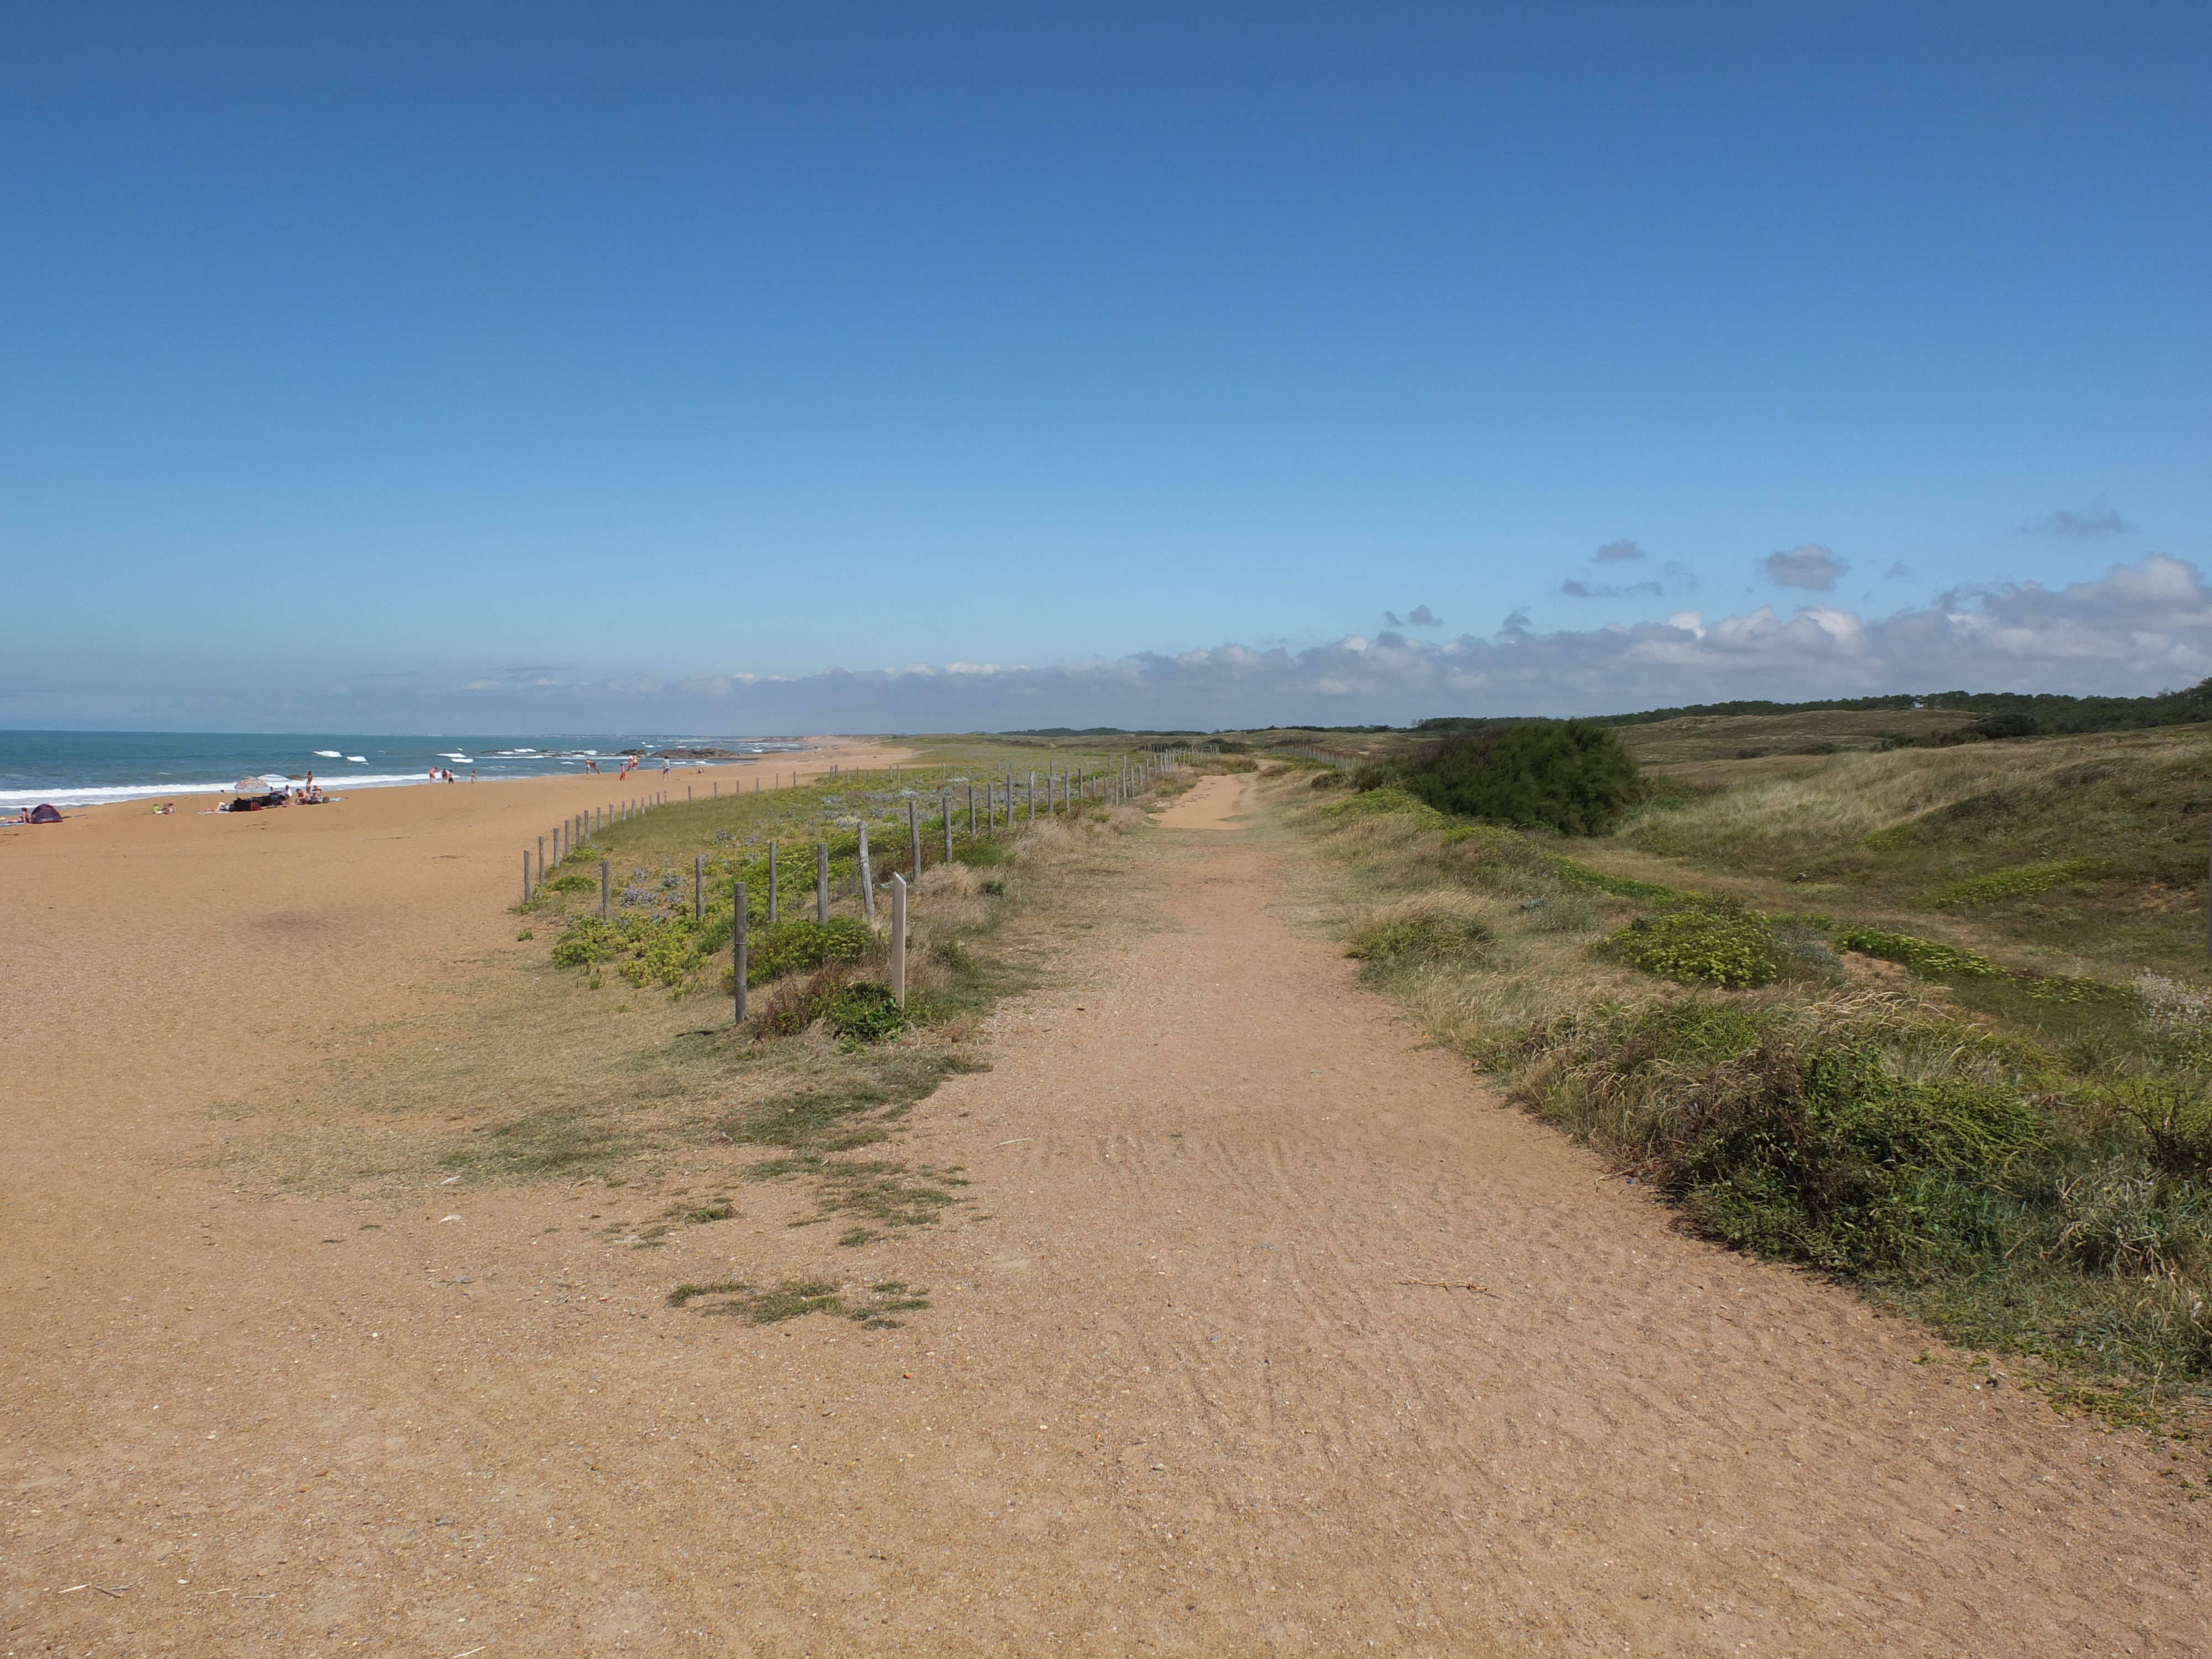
(2141, 628)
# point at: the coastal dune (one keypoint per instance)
(1266, 1329)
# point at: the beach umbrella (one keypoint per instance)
(250, 787)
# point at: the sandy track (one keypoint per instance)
(1189, 1388)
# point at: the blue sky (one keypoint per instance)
(561, 367)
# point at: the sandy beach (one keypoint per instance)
(1271, 1332)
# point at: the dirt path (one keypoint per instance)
(1279, 1337)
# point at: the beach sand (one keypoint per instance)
(1269, 1331)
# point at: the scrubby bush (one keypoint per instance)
(1855, 1134)
(2127, 1218)
(1724, 945)
(1923, 956)
(795, 1004)
(587, 941)
(1383, 797)
(787, 947)
(2009, 883)
(1571, 776)
(1419, 936)
(865, 1011)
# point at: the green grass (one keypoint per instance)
(2009, 883)
(1721, 944)
(2089, 847)
(2020, 1155)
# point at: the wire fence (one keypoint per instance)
(966, 808)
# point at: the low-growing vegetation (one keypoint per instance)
(1571, 776)
(2004, 1132)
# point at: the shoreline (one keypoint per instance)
(806, 764)
(77, 798)
(192, 959)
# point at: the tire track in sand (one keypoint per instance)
(1174, 1396)
(1629, 1441)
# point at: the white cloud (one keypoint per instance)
(2139, 627)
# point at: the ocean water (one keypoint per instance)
(86, 768)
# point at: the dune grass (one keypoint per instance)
(552, 1065)
(1901, 1091)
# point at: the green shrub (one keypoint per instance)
(2125, 1218)
(1832, 1158)
(574, 882)
(1567, 775)
(787, 947)
(587, 941)
(2174, 1118)
(796, 1004)
(1724, 945)
(1923, 957)
(865, 1011)
(1376, 799)
(1581, 878)
(1419, 936)
(2009, 883)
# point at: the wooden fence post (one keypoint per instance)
(541, 860)
(971, 809)
(944, 803)
(867, 876)
(738, 951)
(821, 881)
(525, 875)
(606, 887)
(898, 940)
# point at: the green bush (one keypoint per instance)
(1419, 936)
(2009, 883)
(1832, 1158)
(864, 1011)
(1724, 945)
(1581, 878)
(587, 941)
(1571, 776)
(1379, 798)
(1923, 956)
(2126, 1218)
(788, 947)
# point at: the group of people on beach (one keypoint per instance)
(441, 775)
(309, 794)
